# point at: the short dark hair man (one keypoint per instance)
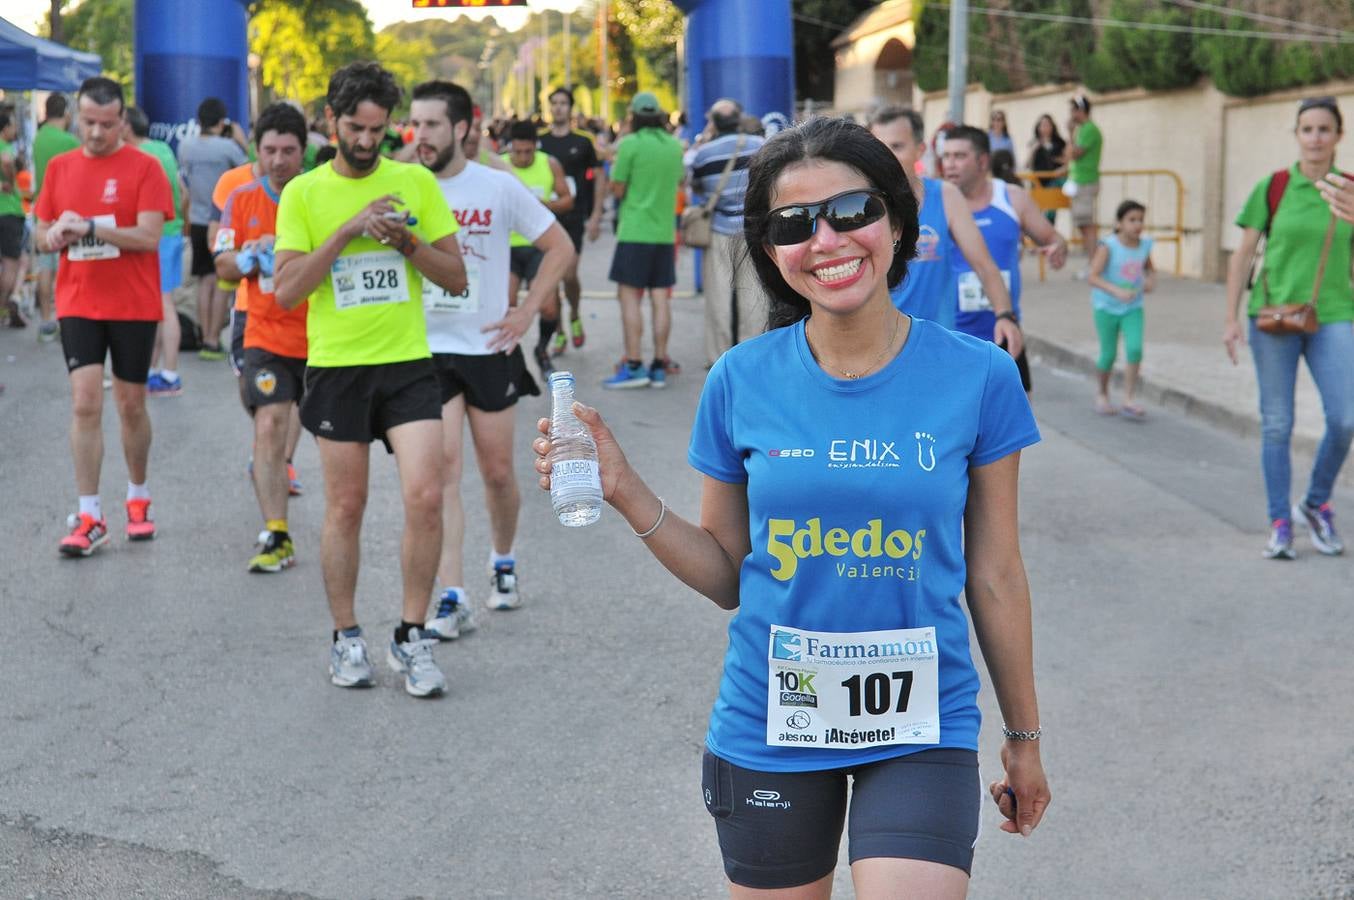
(203, 158)
(53, 137)
(357, 238)
(103, 209)
(1084, 144)
(583, 169)
(474, 340)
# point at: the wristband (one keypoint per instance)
(408, 246)
(1021, 735)
(662, 512)
(1010, 315)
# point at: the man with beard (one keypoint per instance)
(103, 208)
(357, 238)
(586, 176)
(474, 337)
(274, 354)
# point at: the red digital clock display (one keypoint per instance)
(466, 4)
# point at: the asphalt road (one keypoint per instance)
(167, 728)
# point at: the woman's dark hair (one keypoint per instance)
(1127, 207)
(282, 118)
(833, 140)
(1055, 137)
(1003, 166)
(361, 81)
(648, 120)
(1329, 105)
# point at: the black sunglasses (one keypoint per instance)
(1318, 103)
(847, 211)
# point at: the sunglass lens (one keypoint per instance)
(791, 225)
(856, 210)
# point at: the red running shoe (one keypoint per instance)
(87, 535)
(140, 526)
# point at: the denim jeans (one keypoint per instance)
(1330, 359)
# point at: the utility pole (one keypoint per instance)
(958, 59)
(568, 54)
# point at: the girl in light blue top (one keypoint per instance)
(1121, 272)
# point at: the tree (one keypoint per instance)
(300, 44)
(103, 27)
(653, 28)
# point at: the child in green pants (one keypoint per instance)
(1121, 271)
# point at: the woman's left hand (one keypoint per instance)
(1023, 795)
(1338, 192)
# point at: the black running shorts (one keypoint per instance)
(11, 237)
(203, 264)
(782, 829)
(269, 378)
(524, 262)
(575, 228)
(644, 265)
(87, 342)
(361, 403)
(491, 382)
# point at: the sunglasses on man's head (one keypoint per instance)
(846, 211)
(1327, 103)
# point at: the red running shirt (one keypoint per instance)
(95, 279)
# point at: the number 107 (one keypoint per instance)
(877, 692)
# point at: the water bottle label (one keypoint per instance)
(575, 473)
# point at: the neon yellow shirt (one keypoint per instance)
(369, 310)
(539, 179)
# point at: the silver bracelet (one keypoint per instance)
(1021, 735)
(662, 512)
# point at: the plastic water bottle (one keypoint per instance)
(575, 483)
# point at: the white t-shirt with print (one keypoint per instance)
(489, 205)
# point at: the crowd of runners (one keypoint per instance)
(382, 278)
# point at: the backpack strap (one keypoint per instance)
(1278, 183)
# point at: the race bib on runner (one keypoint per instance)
(89, 249)
(971, 296)
(438, 300)
(844, 690)
(369, 279)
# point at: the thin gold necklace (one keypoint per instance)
(852, 376)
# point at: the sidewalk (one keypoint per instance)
(1185, 366)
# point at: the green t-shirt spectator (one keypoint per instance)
(1086, 169)
(48, 142)
(160, 150)
(1293, 250)
(11, 204)
(649, 164)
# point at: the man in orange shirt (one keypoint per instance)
(273, 367)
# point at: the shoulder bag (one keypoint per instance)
(1295, 318)
(696, 220)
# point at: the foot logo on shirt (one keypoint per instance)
(926, 444)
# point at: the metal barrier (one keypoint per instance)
(1052, 198)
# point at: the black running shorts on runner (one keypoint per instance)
(782, 829)
(11, 237)
(361, 403)
(491, 382)
(524, 262)
(87, 342)
(644, 265)
(575, 229)
(269, 378)
(203, 264)
(238, 317)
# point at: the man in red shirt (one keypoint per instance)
(102, 208)
(273, 370)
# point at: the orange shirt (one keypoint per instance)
(96, 280)
(251, 213)
(225, 185)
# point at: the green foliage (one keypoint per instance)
(653, 28)
(1004, 58)
(300, 44)
(103, 27)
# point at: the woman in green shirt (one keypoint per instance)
(1295, 227)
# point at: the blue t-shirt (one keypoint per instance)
(886, 453)
(927, 290)
(1000, 226)
(1126, 269)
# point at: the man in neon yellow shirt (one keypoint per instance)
(357, 237)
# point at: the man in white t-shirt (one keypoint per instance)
(474, 337)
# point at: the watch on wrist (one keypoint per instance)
(1008, 315)
(408, 245)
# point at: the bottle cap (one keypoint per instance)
(559, 377)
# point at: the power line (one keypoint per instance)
(1155, 26)
(1259, 17)
(812, 21)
